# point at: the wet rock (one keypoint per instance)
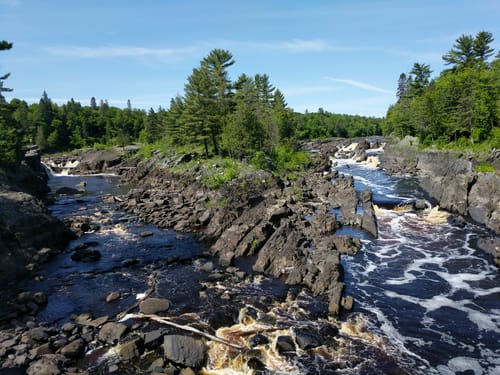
(147, 233)
(347, 302)
(152, 339)
(492, 246)
(40, 298)
(86, 255)
(285, 345)
(113, 296)
(420, 204)
(74, 349)
(483, 207)
(187, 371)
(129, 262)
(66, 190)
(307, 338)
(112, 332)
(154, 305)
(256, 364)
(258, 339)
(184, 350)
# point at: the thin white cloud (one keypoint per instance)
(116, 51)
(361, 85)
(297, 91)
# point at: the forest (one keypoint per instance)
(219, 116)
(461, 106)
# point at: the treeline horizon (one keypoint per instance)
(216, 115)
(240, 118)
(461, 106)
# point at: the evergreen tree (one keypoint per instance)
(4, 45)
(421, 74)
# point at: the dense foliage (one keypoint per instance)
(461, 106)
(244, 119)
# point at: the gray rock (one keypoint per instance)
(154, 305)
(49, 364)
(86, 255)
(113, 296)
(152, 339)
(307, 338)
(66, 190)
(37, 334)
(129, 350)
(74, 349)
(484, 201)
(184, 350)
(112, 332)
(285, 345)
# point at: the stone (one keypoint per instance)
(49, 364)
(187, 371)
(258, 339)
(285, 345)
(154, 305)
(74, 349)
(86, 255)
(40, 298)
(205, 217)
(68, 327)
(307, 338)
(113, 296)
(41, 350)
(129, 350)
(152, 339)
(347, 302)
(184, 350)
(146, 233)
(207, 267)
(37, 334)
(112, 332)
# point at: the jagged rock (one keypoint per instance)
(307, 338)
(152, 339)
(184, 350)
(129, 350)
(483, 207)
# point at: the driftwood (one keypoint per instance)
(168, 321)
(152, 282)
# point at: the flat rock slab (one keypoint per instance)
(112, 332)
(154, 305)
(184, 350)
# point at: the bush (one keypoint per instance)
(484, 167)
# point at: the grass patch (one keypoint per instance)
(484, 167)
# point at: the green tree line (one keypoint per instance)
(461, 105)
(215, 114)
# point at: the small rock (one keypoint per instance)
(112, 332)
(347, 302)
(152, 339)
(37, 334)
(129, 262)
(68, 327)
(187, 371)
(207, 267)
(146, 233)
(49, 364)
(258, 339)
(154, 305)
(129, 350)
(74, 349)
(113, 296)
(285, 345)
(256, 364)
(40, 298)
(41, 350)
(113, 368)
(307, 338)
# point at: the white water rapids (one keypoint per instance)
(424, 284)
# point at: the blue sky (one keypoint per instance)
(343, 56)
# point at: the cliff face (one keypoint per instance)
(452, 181)
(26, 226)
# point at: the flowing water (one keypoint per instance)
(424, 284)
(427, 300)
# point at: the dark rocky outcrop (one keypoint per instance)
(26, 226)
(449, 179)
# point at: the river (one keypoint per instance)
(427, 301)
(424, 284)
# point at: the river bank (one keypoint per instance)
(454, 183)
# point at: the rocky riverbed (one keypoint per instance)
(264, 295)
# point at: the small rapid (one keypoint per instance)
(423, 283)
